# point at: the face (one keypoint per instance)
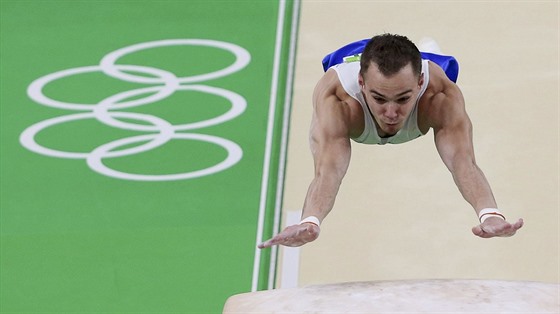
(390, 99)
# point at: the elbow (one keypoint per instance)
(461, 165)
(329, 176)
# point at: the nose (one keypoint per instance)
(391, 111)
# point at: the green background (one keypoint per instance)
(73, 240)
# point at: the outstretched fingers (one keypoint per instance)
(519, 224)
(497, 228)
(293, 236)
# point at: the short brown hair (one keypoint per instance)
(391, 53)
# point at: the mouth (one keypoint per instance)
(388, 128)
(392, 124)
(391, 128)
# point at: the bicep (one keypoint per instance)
(329, 133)
(453, 134)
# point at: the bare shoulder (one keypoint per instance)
(442, 105)
(334, 110)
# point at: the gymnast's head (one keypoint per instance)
(390, 53)
(391, 81)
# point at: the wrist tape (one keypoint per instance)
(311, 219)
(489, 212)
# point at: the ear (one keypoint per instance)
(421, 80)
(361, 81)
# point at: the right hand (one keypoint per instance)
(296, 235)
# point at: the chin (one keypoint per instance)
(390, 131)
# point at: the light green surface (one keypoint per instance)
(74, 240)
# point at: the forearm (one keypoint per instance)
(473, 185)
(321, 196)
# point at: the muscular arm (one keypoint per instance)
(453, 139)
(330, 147)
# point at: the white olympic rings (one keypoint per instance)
(105, 110)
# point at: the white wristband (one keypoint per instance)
(311, 219)
(489, 212)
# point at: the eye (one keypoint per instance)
(403, 100)
(379, 100)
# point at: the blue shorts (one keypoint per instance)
(448, 63)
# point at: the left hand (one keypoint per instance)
(496, 227)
